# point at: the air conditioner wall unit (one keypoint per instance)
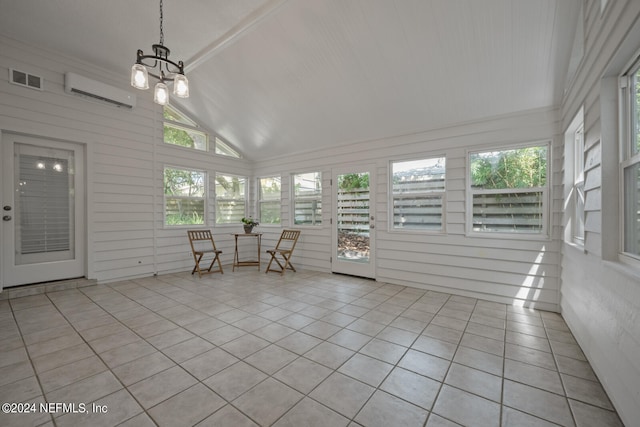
(84, 86)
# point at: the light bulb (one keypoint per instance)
(181, 86)
(161, 94)
(139, 77)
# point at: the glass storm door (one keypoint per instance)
(43, 210)
(353, 222)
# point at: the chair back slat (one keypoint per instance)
(288, 240)
(197, 237)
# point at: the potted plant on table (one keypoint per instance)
(248, 224)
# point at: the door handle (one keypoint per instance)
(6, 218)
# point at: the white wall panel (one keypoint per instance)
(600, 296)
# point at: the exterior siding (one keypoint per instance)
(600, 295)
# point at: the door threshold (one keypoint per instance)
(45, 287)
(355, 276)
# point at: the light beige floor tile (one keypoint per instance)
(303, 374)
(120, 406)
(68, 374)
(487, 345)
(187, 408)
(35, 418)
(245, 346)
(144, 367)
(530, 356)
(271, 359)
(21, 390)
(479, 360)
(543, 404)
(267, 401)
(299, 342)
(397, 336)
(350, 339)
(590, 392)
(593, 416)
(223, 335)
(321, 330)
(228, 416)
(366, 369)
(384, 410)
(384, 350)
(161, 386)
(442, 333)
(343, 394)
(411, 325)
(86, 390)
(466, 408)
(412, 387)
(127, 353)
(474, 381)
(366, 327)
(436, 347)
(533, 375)
(62, 357)
(329, 355)
(425, 364)
(209, 363)
(514, 418)
(437, 421)
(187, 349)
(576, 368)
(235, 380)
(273, 332)
(310, 413)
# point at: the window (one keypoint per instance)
(630, 164)
(574, 180)
(225, 149)
(307, 198)
(508, 190)
(269, 200)
(230, 199)
(184, 196)
(182, 131)
(418, 192)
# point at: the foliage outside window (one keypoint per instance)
(182, 131)
(184, 196)
(230, 198)
(509, 190)
(307, 198)
(418, 192)
(630, 165)
(269, 199)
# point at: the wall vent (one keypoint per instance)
(21, 78)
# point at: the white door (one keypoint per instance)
(353, 222)
(42, 210)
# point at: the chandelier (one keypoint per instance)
(162, 68)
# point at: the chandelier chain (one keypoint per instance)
(161, 27)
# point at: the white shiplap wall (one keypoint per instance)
(519, 269)
(600, 295)
(124, 165)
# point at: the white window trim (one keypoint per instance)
(627, 159)
(260, 201)
(292, 186)
(205, 198)
(574, 162)
(247, 189)
(391, 228)
(544, 234)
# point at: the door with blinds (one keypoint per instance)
(42, 210)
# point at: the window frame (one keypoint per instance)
(190, 126)
(442, 192)
(574, 180)
(215, 198)
(204, 198)
(544, 233)
(628, 159)
(294, 199)
(261, 200)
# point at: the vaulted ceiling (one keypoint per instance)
(282, 76)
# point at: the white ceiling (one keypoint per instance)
(283, 76)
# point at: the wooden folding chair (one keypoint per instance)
(202, 244)
(283, 251)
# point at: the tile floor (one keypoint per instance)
(309, 349)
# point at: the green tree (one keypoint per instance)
(353, 181)
(519, 168)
